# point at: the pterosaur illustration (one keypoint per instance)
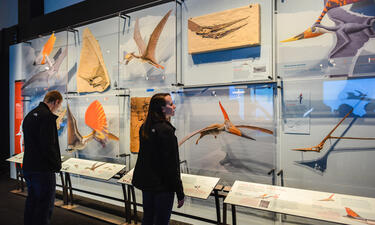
(353, 215)
(227, 126)
(95, 166)
(45, 75)
(352, 32)
(329, 199)
(42, 58)
(147, 53)
(320, 164)
(96, 119)
(75, 140)
(314, 30)
(319, 147)
(361, 95)
(266, 196)
(215, 31)
(92, 74)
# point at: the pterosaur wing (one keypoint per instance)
(264, 130)
(40, 77)
(348, 17)
(74, 137)
(209, 128)
(60, 58)
(138, 38)
(151, 46)
(348, 43)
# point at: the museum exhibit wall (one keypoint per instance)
(239, 60)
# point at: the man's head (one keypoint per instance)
(53, 99)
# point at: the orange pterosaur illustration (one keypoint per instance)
(147, 53)
(329, 199)
(96, 119)
(42, 58)
(314, 31)
(266, 196)
(319, 147)
(353, 215)
(227, 126)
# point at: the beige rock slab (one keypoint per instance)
(243, 33)
(139, 109)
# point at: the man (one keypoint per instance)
(41, 159)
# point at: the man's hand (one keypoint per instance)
(180, 203)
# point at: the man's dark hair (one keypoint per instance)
(155, 113)
(52, 96)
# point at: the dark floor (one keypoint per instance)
(12, 205)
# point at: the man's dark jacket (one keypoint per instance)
(42, 151)
(158, 163)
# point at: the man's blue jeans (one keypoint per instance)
(157, 207)
(41, 190)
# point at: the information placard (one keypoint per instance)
(90, 168)
(194, 185)
(325, 206)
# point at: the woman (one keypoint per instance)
(157, 171)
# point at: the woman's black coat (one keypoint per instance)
(158, 163)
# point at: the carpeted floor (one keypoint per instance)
(12, 205)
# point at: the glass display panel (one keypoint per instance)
(147, 50)
(44, 68)
(312, 43)
(94, 127)
(44, 65)
(135, 112)
(336, 155)
(223, 29)
(242, 147)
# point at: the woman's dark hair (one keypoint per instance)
(155, 113)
